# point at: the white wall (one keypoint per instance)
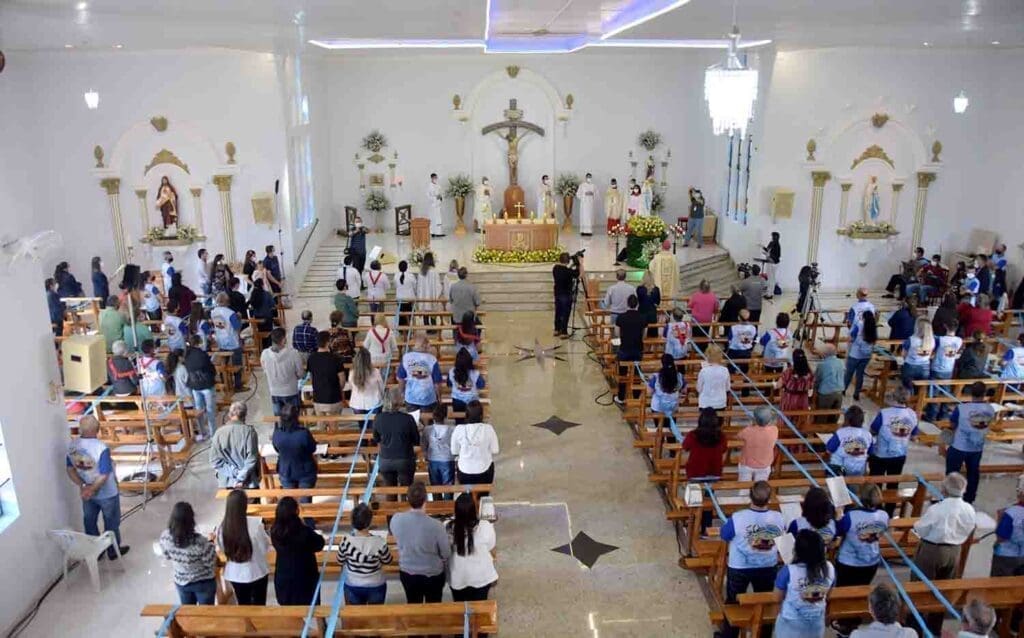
(209, 98)
(816, 94)
(617, 95)
(35, 434)
(20, 131)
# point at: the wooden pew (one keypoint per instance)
(233, 621)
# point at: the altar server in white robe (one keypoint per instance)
(429, 286)
(545, 200)
(434, 195)
(482, 204)
(586, 193)
(613, 205)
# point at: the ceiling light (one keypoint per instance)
(643, 12)
(82, 6)
(674, 44)
(69, 46)
(927, 44)
(118, 46)
(995, 43)
(960, 102)
(92, 99)
(363, 43)
(730, 90)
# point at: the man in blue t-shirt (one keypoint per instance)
(227, 328)
(751, 535)
(1008, 553)
(970, 423)
(421, 374)
(90, 468)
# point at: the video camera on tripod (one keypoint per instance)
(743, 270)
(577, 256)
(810, 275)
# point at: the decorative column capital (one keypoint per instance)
(925, 178)
(820, 177)
(223, 182)
(897, 187)
(140, 193)
(845, 186)
(196, 192)
(111, 184)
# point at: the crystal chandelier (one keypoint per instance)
(92, 99)
(730, 90)
(960, 103)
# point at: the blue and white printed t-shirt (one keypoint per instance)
(751, 536)
(150, 298)
(677, 339)
(805, 598)
(743, 337)
(226, 325)
(90, 458)
(861, 530)
(661, 401)
(849, 449)
(468, 391)
(827, 533)
(947, 351)
(893, 427)
(176, 330)
(1010, 527)
(777, 344)
(1014, 363)
(421, 374)
(972, 421)
(916, 352)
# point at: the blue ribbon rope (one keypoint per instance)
(166, 626)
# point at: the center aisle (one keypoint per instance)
(589, 479)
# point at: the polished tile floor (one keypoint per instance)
(549, 488)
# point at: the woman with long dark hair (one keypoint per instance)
(100, 283)
(804, 585)
(863, 336)
(249, 264)
(465, 381)
(666, 387)
(471, 568)
(429, 286)
(180, 292)
(67, 285)
(192, 556)
(245, 543)
(295, 446)
(197, 323)
(467, 335)
(818, 515)
(263, 308)
(796, 383)
(220, 275)
(705, 449)
(296, 571)
(405, 292)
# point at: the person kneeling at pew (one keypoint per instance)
(751, 535)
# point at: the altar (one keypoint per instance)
(524, 234)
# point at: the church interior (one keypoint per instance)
(732, 212)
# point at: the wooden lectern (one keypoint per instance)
(420, 233)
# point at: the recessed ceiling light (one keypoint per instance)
(82, 6)
(118, 46)
(927, 44)
(69, 46)
(995, 42)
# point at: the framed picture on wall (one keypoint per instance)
(403, 220)
(377, 180)
(350, 219)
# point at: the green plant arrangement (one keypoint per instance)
(567, 184)
(376, 202)
(374, 141)
(484, 255)
(187, 234)
(646, 227)
(643, 239)
(649, 140)
(459, 185)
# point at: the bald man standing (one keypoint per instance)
(91, 469)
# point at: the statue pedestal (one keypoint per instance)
(514, 195)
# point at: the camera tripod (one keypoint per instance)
(811, 304)
(572, 327)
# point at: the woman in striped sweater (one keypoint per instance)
(365, 555)
(192, 556)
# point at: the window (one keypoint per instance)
(304, 209)
(8, 500)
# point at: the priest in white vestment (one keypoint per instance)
(665, 269)
(482, 204)
(586, 193)
(613, 205)
(434, 196)
(545, 199)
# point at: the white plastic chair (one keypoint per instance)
(82, 547)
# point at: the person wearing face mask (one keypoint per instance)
(930, 280)
(586, 192)
(357, 245)
(971, 286)
(695, 224)
(167, 269)
(613, 205)
(633, 206)
(435, 197)
(482, 204)
(545, 199)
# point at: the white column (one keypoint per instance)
(223, 183)
(897, 190)
(924, 180)
(844, 202)
(112, 185)
(817, 198)
(197, 203)
(143, 210)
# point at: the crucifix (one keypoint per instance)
(514, 127)
(519, 210)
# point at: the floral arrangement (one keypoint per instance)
(484, 255)
(459, 185)
(657, 202)
(883, 229)
(650, 249)
(567, 184)
(416, 256)
(376, 202)
(374, 141)
(185, 233)
(649, 140)
(646, 226)
(677, 230)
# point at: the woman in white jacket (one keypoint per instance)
(471, 566)
(475, 444)
(429, 286)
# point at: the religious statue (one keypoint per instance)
(650, 168)
(586, 192)
(647, 198)
(515, 128)
(870, 206)
(613, 205)
(482, 204)
(435, 198)
(545, 199)
(167, 203)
